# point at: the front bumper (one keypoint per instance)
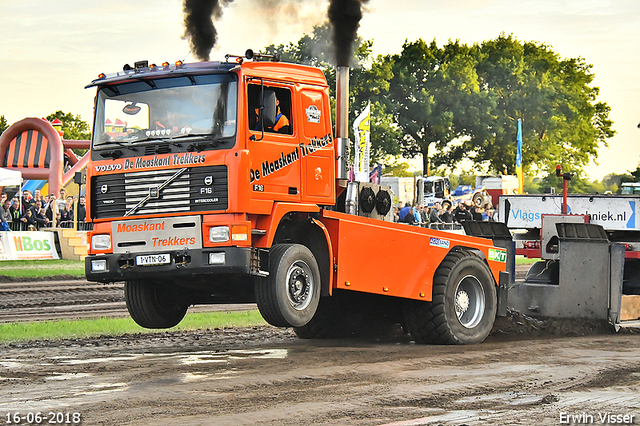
(184, 264)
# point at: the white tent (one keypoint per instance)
(10, 177)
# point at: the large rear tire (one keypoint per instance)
(289, 296)
(464, 304)
(326, 322)
(153, 305)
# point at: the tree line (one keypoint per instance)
(460, 102)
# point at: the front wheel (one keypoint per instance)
(153, 305)
(289, 296)
(464, 304)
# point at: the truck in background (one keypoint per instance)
(630, 188)
(403, 188)
(207, 196)
(432, 189)
(496, 186)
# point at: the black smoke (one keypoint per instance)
(198, 24)
(345, 17)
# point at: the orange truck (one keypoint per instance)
(196, 199)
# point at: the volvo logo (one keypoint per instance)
(208, 180)
(154, 192)
(103, 189)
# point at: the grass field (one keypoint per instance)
(41, 268)
(520, 260)
(76, 329)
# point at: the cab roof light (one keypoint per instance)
(140, 64)
(102, 76)
(178, 64)
(165, 64)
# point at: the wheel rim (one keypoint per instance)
(299, 285)
(469, 301)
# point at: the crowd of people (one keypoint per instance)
(439, 217)
(38, 211)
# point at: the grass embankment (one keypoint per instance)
(41, 268)
(78, 329)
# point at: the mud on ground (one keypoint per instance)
(526, 373)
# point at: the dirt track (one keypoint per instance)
(527, 372)
(267, 376)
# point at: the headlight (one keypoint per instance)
(98, 265)
(101, 242)
(219, 234)
(217, 258)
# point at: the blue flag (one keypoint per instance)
(519, 159)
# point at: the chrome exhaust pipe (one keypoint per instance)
(342, 142)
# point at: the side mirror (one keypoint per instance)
(269, 108)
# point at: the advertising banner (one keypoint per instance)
(362, 130)
(612, 212)
(27, 245)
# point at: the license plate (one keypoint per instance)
(153, 259)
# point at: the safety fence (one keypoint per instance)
(20, 226)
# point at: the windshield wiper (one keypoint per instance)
(200, 146)
(114, 154)
(198, 142)
(123, 144)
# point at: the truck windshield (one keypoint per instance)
(428, 187)
(189, 107)
(628, 190)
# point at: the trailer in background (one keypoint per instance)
(496, 186)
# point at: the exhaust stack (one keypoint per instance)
(342, 123)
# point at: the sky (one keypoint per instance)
(50, 50)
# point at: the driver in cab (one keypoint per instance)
(281, 123)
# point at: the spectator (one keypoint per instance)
(82, 208)
(3, 198)
(52, 210)
(476, 214)
(15, 213)
(28, 221)
(66, 216)
(38, 213)
(5, 211)
(417, 219)
(424, 214)
(434, 215)
(404, 211)
(409, 217)
(396, 214)
(447, 214)
(5, 215)
(460, 213)
(487, 215)
(27, 201)
(60, 201)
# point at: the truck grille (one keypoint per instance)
(192, 189)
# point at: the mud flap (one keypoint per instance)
(503, 292)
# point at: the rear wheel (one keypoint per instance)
(153, 305)
(289, 296)
(464, 304)
(478, 199)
